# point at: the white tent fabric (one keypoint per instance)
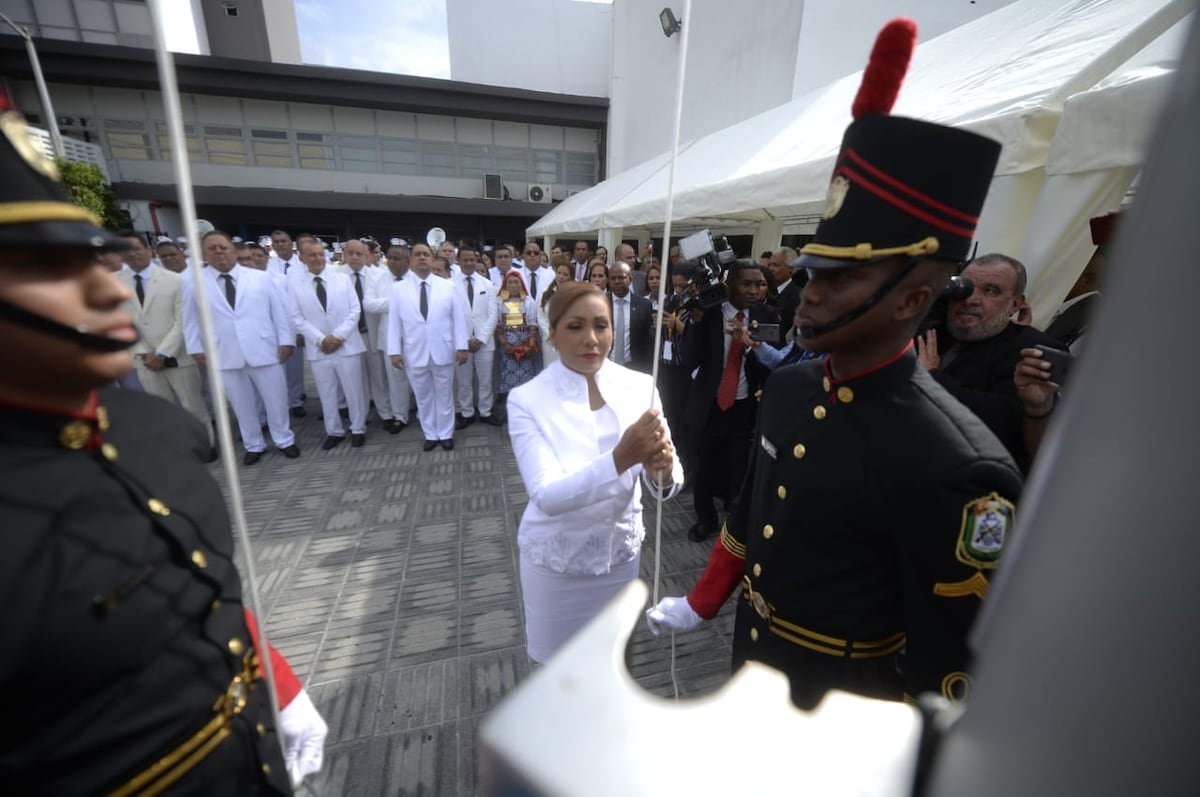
(1005, 75)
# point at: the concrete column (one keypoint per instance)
(767, 235)
(610, 238)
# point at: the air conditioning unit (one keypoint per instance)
(539, 194)
(493, 186)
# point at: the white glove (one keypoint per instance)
(303, 737)
(673, 613)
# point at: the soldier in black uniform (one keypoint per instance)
(126, 666)
(876, 505)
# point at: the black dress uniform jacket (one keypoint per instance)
(873, 512)
(121, 611)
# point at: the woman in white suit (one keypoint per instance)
(585, 443)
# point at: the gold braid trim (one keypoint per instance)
(27, 212)
(927, 246)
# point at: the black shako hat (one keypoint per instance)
(35, 209)
(900, 186)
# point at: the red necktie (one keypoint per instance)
(727, 392)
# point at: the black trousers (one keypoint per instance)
(722, 452)
(673, 384)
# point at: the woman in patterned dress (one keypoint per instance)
(516, 334)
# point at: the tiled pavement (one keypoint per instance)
(389, 581)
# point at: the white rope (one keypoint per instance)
(187, 204)
(662, 297)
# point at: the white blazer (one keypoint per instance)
(377, 285)
(545, 278)
(160, 319)
(249, 333)
(582, 516)
(426, 341)
(484, 313)
(339, 317)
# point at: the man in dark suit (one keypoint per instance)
(978, 369)
(786, 296)
(721, 406)
(633, 321)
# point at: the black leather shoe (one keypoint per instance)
(251, 457)
(298, 412)
(291, 452)
(357, 440)
(396, 427)
(461, 423)
(331, 442)
(493, 420)
(429, 445)
(699, 532)
(448, 445)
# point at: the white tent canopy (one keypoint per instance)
(1007, 75)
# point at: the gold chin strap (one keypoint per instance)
(927, 246)
(24, 212)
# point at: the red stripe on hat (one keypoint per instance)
(911, 210)
(915, 194)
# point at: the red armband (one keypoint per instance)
(287, 685)
(726, 566)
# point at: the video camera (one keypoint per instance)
(704, 260)
(956, 289)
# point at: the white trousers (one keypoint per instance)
(243, 386)
(344, 374)
(178, 384)
(399, 392)
(293, 369)
(433, 385)
(479, 366)
(375, 373)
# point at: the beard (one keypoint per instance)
(986, 328)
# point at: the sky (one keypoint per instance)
(406, 37)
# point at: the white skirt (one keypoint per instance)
(559, 604)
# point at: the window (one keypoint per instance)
(581, 168)
(271, 148)
(399, 156)
(359, 153)
(127, 139)
(438, 159)
(315, 151)
(189, 135)
(547, 166)
(474, 161)
(513, 163)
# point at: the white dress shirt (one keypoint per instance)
(582, 517)
(730, 314)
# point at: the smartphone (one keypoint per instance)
(767, 333)
(1060, 363)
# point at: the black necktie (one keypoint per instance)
(230, 292)
(533, 284)
(362, 313)
(321, 297)
(470, 292)
(137, 287)
(424, 300)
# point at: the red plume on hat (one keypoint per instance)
(885, 71)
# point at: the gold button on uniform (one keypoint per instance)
(216, 606)
(158, 507)
(818, 412)
(266, 769)
(199, 559)
(261, 729)
(845, 395)
(753, 634)
(102, 419)
(781, 491)
(768, 531)
(236, 646)
(799, 451)
(109, 452)
(75, 435)
(825, 384)
(757, 570)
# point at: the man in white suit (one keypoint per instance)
(426, 336)
(483, 311)
(284, 261)
(371, 290)
(326, 312)
(253, 336)
(537, 277)
(164, 369)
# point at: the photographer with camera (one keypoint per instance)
(978, 368)
(721, 406)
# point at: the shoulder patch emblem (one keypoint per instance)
(986, 524)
